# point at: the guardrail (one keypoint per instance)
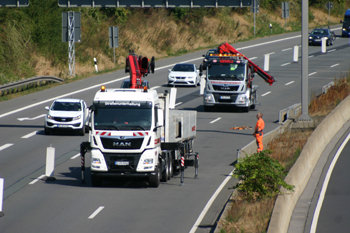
(21, 85)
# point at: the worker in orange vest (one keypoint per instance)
(258, 133)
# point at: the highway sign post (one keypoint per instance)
(113, 39)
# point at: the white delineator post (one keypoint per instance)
(296, 53)
(266, 62)
(1, 195)
(50, 164)
(172, 101)
(324, 44)
(96, 68)
(203, 82)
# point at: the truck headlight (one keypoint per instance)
(242, 98)
(147, 161)
(96, 161)
(209, 98)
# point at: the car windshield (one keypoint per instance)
(319, 32)
(211, 52)
(66, 106)
(226, 71)
(123, 117)
(183, 68)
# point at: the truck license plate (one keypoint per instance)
(225, 97)
(121, 163)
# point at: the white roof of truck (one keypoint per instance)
(126, 94)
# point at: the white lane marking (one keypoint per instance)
(332, 50)
(266, 93)
(125, 77)
(75, 156)
(285, 64)
(312, 73)
(30, 119)
(311, 56)
(37, 179)
(252, 58)
(96, 212)
(6, 146)
(335, 65)
(213, 121)
(325, 185)
(289, 83)
(210, 202)
(178, 104)
(270, 53)
(155, 87)
(30, 134)
(286, 49)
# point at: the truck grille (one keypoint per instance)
(225, 88)
(131, 159)
(127, 143)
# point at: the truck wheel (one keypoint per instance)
(154, 180)
(96, 181)
(246, 109)
(165, 173)
(252, 107)
(207, 108)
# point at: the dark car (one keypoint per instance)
(126, 83)
(315, 37)
(206, 57)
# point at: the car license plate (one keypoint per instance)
(122, 163)
(225, 97)
(317, 39)
(63, 126)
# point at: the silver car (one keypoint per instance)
(67, 115)
(184, 74)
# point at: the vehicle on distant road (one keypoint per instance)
(346, 24)
(184, 74)
(316, 35)
(206, 57)
(67, 115)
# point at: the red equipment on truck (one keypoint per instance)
(138, 67)
(229, 77)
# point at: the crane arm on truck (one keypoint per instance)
(228, 49)
(138, 67)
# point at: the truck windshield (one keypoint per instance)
(226, 71)
(122, 117)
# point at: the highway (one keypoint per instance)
(66, 205)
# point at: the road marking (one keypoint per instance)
(325, 185)
(253, 58)
(335, 65)
(332, 50)
(96, 212)
(37, 179)
(289, 83)
(270, 53)
(312, 73)
(286, 49)
(285, 64)
(311, 56)
(266, 93)
(6, 146)
(210, 202)
(178, 104)
(30, 134)
(213, 121)
(30, 119)
(155, 87)
(75, 156)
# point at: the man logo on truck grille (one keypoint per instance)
(125, 144)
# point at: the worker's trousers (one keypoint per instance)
(259, 142)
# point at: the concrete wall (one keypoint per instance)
(300, 173)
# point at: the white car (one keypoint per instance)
(184, 74)
(67, 114)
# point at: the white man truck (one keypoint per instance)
(229, 80)
(134, 134)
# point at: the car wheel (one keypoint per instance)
(82, 131)
(328, 43)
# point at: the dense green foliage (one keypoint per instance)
(260, 176)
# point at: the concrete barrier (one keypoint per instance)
(300, 173)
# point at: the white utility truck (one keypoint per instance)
(134, 134)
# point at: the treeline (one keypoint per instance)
(31, 32)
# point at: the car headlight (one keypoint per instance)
(147, 161)
(344, 29)
(49, 117)
(205, 59)
(310, 38)
(76, 118)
